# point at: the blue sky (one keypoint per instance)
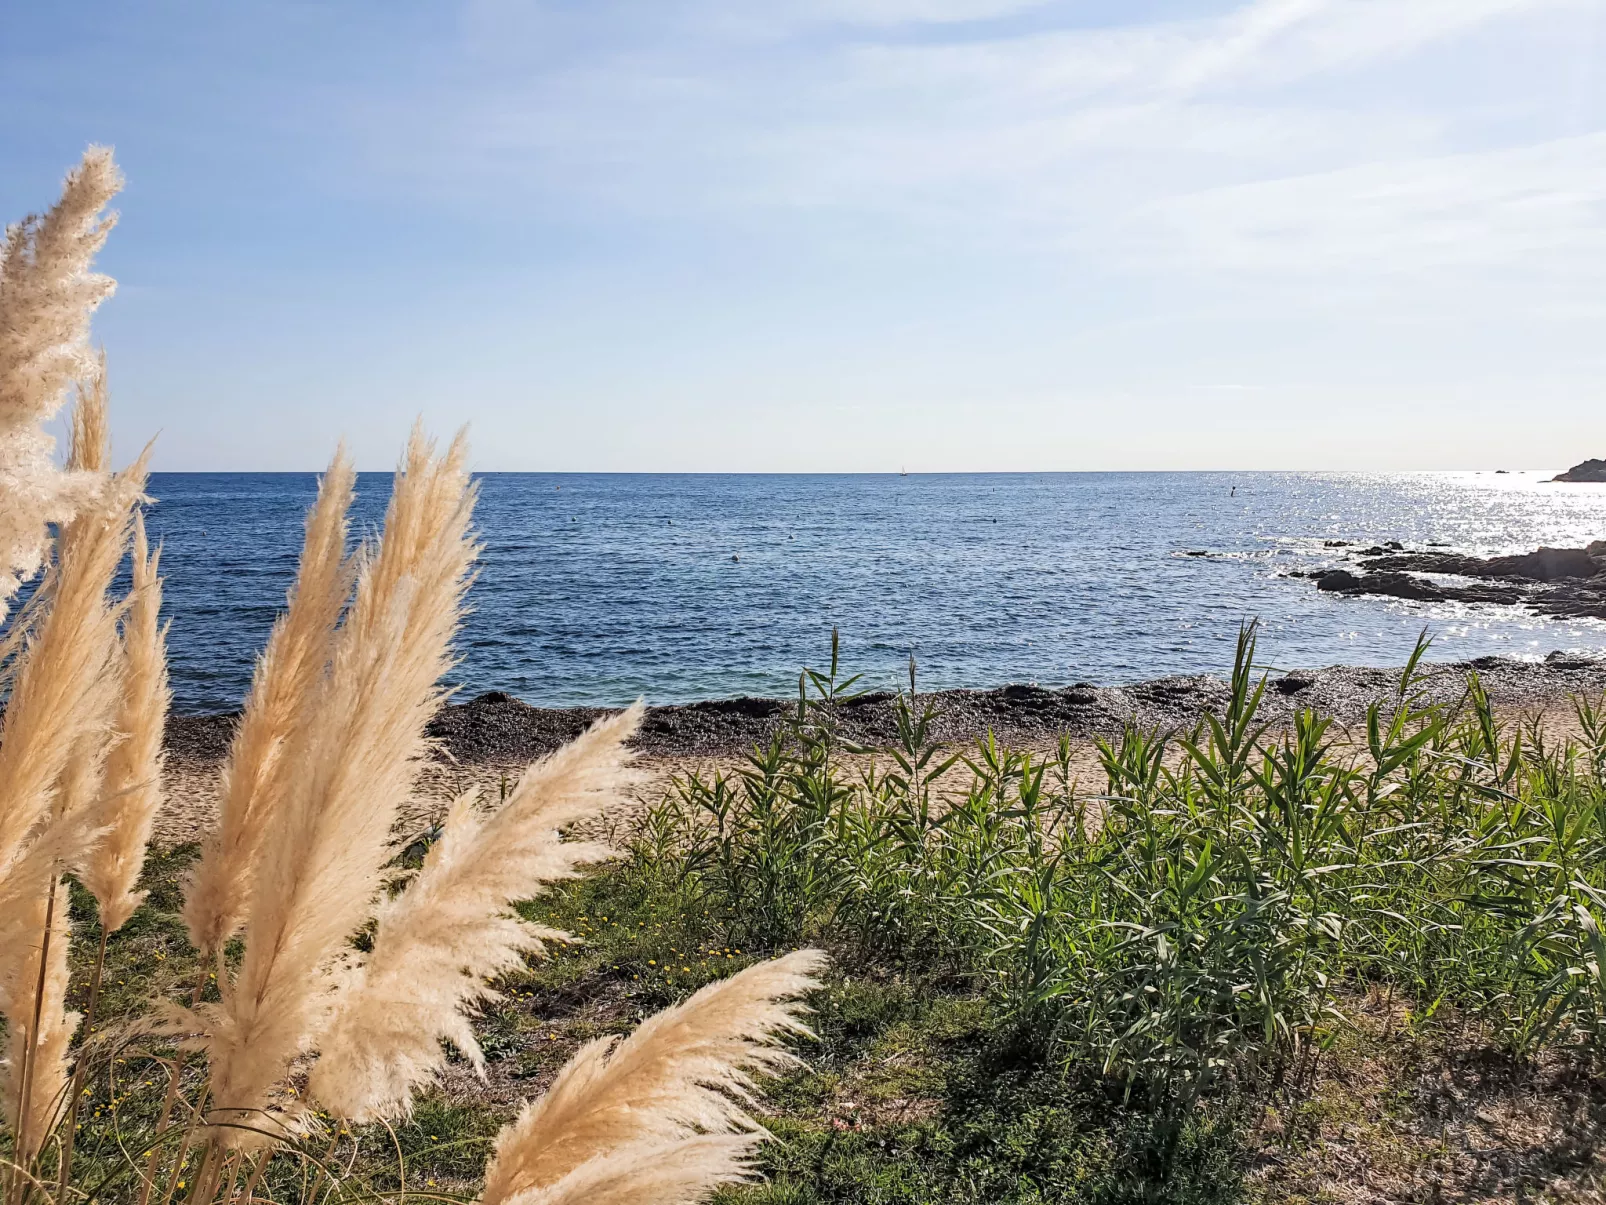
(839, 235)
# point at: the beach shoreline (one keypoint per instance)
(496, 729)
(485, 741)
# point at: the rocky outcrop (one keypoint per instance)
(1394, 584)
(1588, 471)
(1541, 565)
(1563, 582)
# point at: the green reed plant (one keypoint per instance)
(1207, 917)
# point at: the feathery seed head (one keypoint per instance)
(47, 294)
(288, 677)
(133, 773)
(683, 1074)
(438, 942)
(350, 759)
(66, 685)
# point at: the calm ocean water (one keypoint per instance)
(598, 588)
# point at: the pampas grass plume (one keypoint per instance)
(133, 776)
(56, 724)
(351, 760)
(440, 940)
(89, 449)
(680, 1173)
(632, 1120)
(47, 294)
(288, 676)
(67, 679)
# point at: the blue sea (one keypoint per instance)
(596, 589)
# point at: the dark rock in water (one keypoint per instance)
(1541, 565)
(1588, 471)
(1395, 584)
(1338, 581)
(1568, 583)
(1575, 600)
(1422, 562)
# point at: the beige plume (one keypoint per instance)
(681, 1077)
(68, 673)
(47, 294)
(25, 900)
(678, 1173)
(48, 1075)
(440, 940)
(56, 726)
(351, 760)
(288, 677)
(133, 777)
(89, 449)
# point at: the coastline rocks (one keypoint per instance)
(1541, 565)
(1592, 471)
(1566, 583)
(1394, 584)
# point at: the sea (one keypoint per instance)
(597, 589)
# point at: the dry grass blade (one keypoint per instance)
(288, 676)
(683, 1071)
(450, 931)
(38, 1021)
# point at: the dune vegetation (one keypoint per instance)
(1246, 963)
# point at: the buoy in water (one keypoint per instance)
(734, 557)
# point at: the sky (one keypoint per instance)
(839, 235)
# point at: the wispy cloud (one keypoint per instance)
(1534, 209)
(1053, 133)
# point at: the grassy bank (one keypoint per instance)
(1248, 965)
